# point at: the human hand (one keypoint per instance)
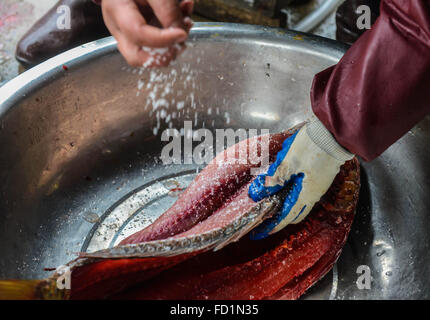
(149, 33)
(307, 165)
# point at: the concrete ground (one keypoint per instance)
(17, 16)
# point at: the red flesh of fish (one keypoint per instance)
(282, 266)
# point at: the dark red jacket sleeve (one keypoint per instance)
(381, 87)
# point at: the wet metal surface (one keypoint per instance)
(79, 142)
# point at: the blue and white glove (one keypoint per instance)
(307, 165)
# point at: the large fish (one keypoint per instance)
(198, 249)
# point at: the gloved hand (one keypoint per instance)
(307, 165)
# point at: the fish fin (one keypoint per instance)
(30, 290)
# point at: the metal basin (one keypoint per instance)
(80, 146)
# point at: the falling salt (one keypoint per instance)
(169, 94)
(380, 253)
(180, 105)
(227, 117)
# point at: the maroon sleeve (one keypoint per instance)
(381, 87)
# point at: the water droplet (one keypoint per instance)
(91, 217)
(380, 253)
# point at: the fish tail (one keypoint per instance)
(31, 290)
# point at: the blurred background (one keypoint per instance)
(18, 16)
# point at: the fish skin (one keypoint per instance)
(105, 272)
(282, 266)
(182, 244)
(189, 242)
(308, 249)
(242, 212)
(97, 277)
(221, 178)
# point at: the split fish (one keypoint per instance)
(199, 248)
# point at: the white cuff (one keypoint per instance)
(319, 134)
